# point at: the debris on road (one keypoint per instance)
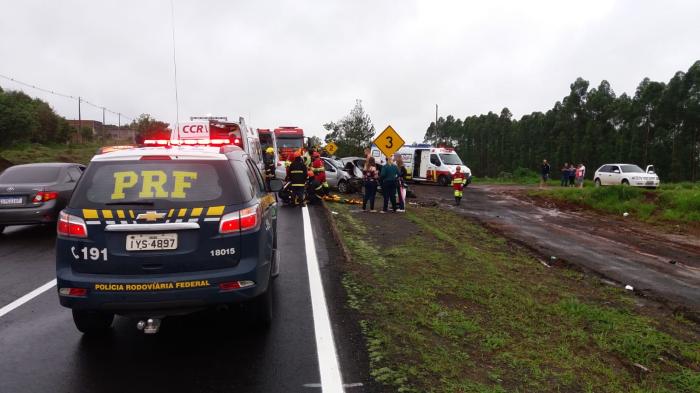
(629, 287)
(625, 214)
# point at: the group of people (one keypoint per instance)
(571, 176)
(392, 179)
(306, 175)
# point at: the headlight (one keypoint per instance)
(636, 178)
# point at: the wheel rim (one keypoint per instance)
(342, 187)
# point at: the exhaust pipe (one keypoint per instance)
(149, 326)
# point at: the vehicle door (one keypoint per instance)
(68, 183)
(424, 163)
(435, 165)
(268, 208)
(615, 175)
(331, 174)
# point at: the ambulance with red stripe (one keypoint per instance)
(428, 164)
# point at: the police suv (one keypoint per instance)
(164, 230)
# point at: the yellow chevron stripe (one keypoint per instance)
(196, 212)
(120, 214)
(182, 212)
(170, 213)
(107, 214)
(90, 213)
(215, 211)
(131, 214)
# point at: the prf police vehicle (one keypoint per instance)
(167, 230)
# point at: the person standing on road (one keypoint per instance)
(370, 179)
(580, 175)
(388, 177)
(565, 175)
(458, 182)
(298, 176)
(319, 174)
(544, 171)
(269, 160)
(401, 184)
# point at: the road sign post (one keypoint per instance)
(331, 148)
(389, 141)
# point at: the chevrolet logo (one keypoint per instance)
(150, 216)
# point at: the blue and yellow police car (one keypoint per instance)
(167, 230)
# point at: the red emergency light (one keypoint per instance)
(191, 142)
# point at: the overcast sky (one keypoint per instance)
(305, 62)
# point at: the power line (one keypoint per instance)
(79, 99)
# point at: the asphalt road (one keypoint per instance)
(41, 351)
(664, 266)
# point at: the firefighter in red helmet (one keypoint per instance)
(458, 182)
(298, 176)
(319, 174)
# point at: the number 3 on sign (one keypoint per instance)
(389, 141)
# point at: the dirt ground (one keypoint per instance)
(660, 263)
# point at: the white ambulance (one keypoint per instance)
(426, 163)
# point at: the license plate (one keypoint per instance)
(650, 183)
(5, 201)
(151, 242)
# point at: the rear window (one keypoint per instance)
(160, 184)
(30, 174)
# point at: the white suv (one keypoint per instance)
(626, 174)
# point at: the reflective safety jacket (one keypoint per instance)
(458, 181)
(297, 173)
(319, 170)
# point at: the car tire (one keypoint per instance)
(92, 322)
(343, 187)
(597, 182)
(443, 180)
(262, 306)
(625, 182)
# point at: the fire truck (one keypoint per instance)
(427, 164)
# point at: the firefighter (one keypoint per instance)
(458, 182)
(269, 160)
(298, 176)
(319, 171)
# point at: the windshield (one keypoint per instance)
(289, 143)
(161, 184)
(450, 159)
(631, 169)
(29, 174)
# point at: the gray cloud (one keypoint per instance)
(304, 63)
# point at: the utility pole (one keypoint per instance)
(119, 116)
(80, 124)
(436, 121)
(103, 121)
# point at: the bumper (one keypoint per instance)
(644, 183)
(45, 214)
(172, 294)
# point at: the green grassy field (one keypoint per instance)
(24, 154)
(671, 202)
(447, 306)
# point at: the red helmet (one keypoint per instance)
(316, 155)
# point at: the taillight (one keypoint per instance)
(242, 220)
(156, 158)
(71, 226)
(233, 285)
(44, 196)
(73, 292)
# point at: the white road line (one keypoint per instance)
(331, 380)
(31, 295)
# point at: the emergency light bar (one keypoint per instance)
(191, 142)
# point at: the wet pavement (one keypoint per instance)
(210, 351)
(665, 266)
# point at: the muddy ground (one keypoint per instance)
(663, 264)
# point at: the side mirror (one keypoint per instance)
(276, 185)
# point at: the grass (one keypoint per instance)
(457, 309)
(28, 153)
(518, 176)
(672, 202)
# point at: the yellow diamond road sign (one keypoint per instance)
(331, 148)
(389, 141)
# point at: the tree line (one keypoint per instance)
(659, 124)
